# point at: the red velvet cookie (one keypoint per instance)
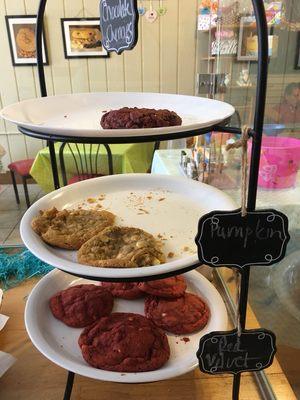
(183, 315)
(137, 118)
(124, 290)
(169, 287)
(81, 305)
(124, 342)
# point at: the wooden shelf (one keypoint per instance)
(243, 87)
(214, 57)
(222, 26)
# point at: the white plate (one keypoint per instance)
(58, 342)
(80, 114)
(176, 217)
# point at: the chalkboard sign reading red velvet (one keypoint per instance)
(225, 238)
(119, 24)
(226, 352)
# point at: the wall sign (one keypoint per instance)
(119, 24)
(225, 238)
(226, 352)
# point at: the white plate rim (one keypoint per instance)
(41, 344)
(39, 248)
(5, 114)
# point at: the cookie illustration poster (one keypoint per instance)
(82, 38)
(21, 36)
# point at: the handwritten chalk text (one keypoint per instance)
(244, 232)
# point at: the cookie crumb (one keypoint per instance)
(171, 254)
(144, 211)
(186, 248)
(162, 199)
(91, 200)
(185, 339)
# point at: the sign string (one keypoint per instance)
(243, 144)
(237, 277)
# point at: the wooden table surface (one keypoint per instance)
(33, 377)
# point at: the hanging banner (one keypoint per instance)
(226, 238)
(119, 24)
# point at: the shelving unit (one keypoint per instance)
(256, 134)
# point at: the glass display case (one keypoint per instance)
(226, 70)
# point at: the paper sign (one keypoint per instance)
(3, 321)
(225, 238)
(226, 352)
(6, 361)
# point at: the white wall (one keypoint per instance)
(163, 61)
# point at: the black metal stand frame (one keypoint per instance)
(256, 134)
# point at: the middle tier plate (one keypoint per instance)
(165, 206)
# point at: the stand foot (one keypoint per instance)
(236, 387)
(69, 386)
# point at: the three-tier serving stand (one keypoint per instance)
(255, 133)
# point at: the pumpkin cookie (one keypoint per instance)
(121, 247)
(41, 223)
(70, 229)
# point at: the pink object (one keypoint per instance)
(21, 167)
(279, 162)
(82, 177)
(225, 34)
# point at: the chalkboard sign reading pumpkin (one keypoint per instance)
(119, 24)
(226, 238)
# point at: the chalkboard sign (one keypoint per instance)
(226, 352)
(225, 238)
(119, 24)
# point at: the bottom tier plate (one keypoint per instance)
(58, 342)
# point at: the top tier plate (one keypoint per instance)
(78, 115)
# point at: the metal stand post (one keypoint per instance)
(69, 386)
(255, 155)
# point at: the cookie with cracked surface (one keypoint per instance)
(121, 247)
(124, 290)
(70, 229)
(81, 305)
(172, 287)
(41, 223)
(186, 314)
(139, 118)
(124, 342)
